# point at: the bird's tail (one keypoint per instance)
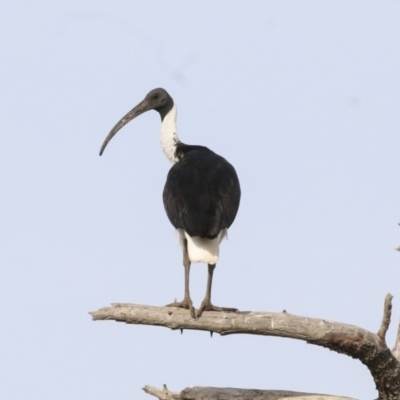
(203, 250)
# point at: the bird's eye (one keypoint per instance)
(155, 95)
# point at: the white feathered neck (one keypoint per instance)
(169, 136)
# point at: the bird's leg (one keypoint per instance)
(187, 301)
(206, 305)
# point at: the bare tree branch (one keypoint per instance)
(351, 340)
(387, 313)
(396, 348)
(163, 394)
(211, 393)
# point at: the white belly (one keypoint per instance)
(202, 250)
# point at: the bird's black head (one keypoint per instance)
(157, 99)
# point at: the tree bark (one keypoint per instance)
(370, 348)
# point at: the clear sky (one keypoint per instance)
(301, 97)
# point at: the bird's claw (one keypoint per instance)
(208, 306)
(185, 304)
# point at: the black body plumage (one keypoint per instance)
(202, 192)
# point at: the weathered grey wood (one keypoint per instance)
(396, 348)
(211, 393)
(368, 347)
(387, 314)
(162, 394)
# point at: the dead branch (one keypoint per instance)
(211, 393)
(368, 347)
(387, 313)
(162, 394)
(396, 348)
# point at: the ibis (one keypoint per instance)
(201, 195)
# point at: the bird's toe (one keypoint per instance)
(208, 306)
(185, 304)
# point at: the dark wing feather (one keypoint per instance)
(202, 193)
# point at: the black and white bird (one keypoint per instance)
(201, 195)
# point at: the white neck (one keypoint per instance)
(169, 136)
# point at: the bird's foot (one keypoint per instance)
(186, 304)
(206, 305)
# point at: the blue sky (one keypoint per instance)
(301, 97)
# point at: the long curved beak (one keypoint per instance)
(135, 112)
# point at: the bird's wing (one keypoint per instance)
(202, 195)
